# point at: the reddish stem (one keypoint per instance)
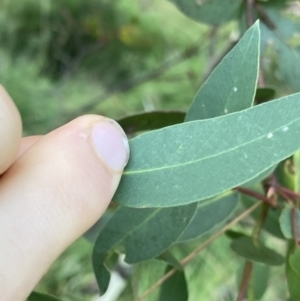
(245, 282)
(256, 195)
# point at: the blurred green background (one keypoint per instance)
(62, 59)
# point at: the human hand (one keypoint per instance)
(57, 189)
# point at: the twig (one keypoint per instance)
(249, 12)
(246, 279)
(292, 194)
(191, 256)
(256, 195)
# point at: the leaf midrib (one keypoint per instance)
(208, 157)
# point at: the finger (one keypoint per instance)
(55, 192)
(27, 143)
(10, 131)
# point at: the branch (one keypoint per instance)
(191, 256)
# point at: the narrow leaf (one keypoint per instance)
(212, 12)
(145, 233)
(197, 160)
(35, 296)
(175, 288)
(286, 222)
(209, 214)
(229, 88)
(256, 252)
(150, 120)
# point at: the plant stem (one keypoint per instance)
(260, 222)
(249, 12)
(256, 195)
(295, 226)
(292, 194)
(191, 256)
(246, 278)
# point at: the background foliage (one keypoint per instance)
(60, 59)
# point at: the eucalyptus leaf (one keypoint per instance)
(286, 222)
(286, 28)
(145, 233)
(35, 296)
(175, 288)
(258, 282)
(197, 160)
(293, 280)
(294, 261)
(209, 214)
(146, 121)
(229, 88)
(141, 280)
(168, 257)
(212, 12)
(256, 252)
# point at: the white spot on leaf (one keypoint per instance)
(225, 111)
(270, 135)
(285, 128)
(235, 89)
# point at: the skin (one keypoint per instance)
(52, 189)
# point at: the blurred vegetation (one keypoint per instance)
(61, 59)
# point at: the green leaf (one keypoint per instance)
(209, 214)
(293, 280)
(264, 94)
(145, 274)
(198, 160)
(234, 234)
(258, 283)
(150, 120)
(246, 248)
(212, 12)
(286, 29)
(145, 233)
(286, 222)
(271, 223)
(127, 294)
(35, 296)
(175, 288)
(229, 88)
(294, 261)
(168, 257)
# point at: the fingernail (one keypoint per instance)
(111, 144)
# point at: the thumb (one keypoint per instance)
(52, 194)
